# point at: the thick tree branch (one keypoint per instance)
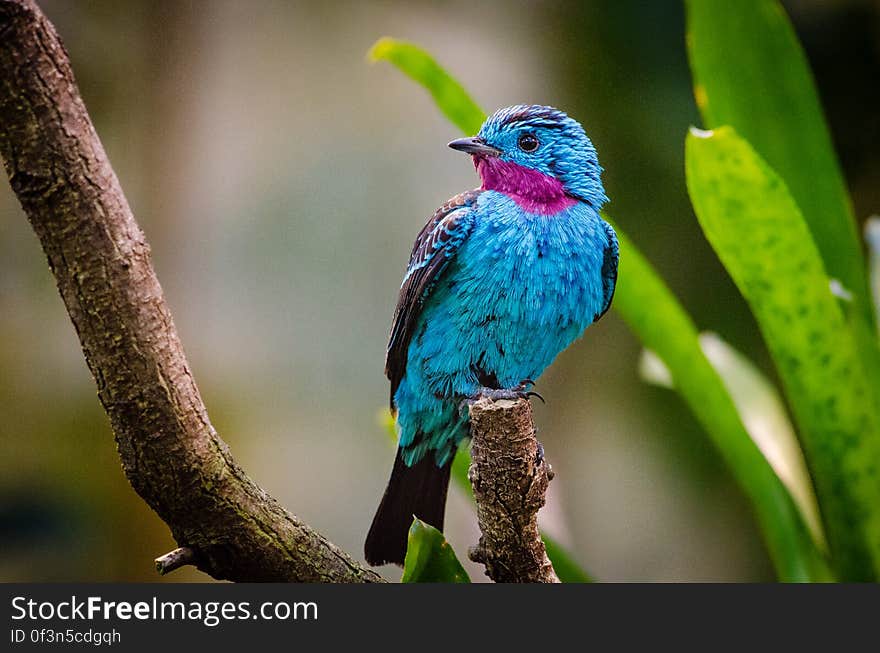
(510, 478)
(101, 261)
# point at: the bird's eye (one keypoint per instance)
(528, 143)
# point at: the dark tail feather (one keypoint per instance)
(419, 490)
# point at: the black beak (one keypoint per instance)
(474, 145)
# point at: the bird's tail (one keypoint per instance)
(418, 491)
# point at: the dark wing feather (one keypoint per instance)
(435, 245)
(609, 269)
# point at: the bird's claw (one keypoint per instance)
(524, 386)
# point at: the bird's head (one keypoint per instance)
(536, 154)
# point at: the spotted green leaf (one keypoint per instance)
(761, 237)
(654, 314)
(750, 73)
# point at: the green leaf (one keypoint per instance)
(429, 558)
(750, 73)
(759, 234)
(663, 326)
(653, 313)
(449, 95)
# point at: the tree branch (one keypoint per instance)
(176, 559)
(510, 478)
(101, 261)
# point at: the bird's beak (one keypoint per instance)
(474, 145)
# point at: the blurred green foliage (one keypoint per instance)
(758, 232)
(450, 96)
(566, 568)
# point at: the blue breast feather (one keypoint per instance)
(516, 291)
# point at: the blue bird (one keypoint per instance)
(500, 280)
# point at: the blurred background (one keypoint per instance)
(281, 180)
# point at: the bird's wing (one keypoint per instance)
(609, 269)
(435, 246)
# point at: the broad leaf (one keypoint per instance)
(654, 314)
(429, 558)
(759, 234)
(751, 73)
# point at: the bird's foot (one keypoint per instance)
(520, 391)
(499, 393)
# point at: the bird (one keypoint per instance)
(501, 279)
